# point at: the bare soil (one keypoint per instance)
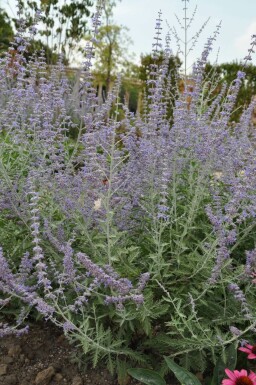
(45, 357)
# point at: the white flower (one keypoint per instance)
(241, 173)
(97, 204)
(217, 175)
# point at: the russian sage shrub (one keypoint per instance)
(137, 237)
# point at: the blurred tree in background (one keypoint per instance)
(6, 31)
(227, 72)
(111, 48)
(174, 64)
(62, 24)
(65, 24)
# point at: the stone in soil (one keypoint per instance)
(45, 376)
(3, 369)
(14, 351)
(10, 380)
(77, 381)
(58, 377)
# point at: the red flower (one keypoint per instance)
(250, 350)
(239, 378)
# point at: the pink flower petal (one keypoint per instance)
(246, 350)
(237, 373)
(252, 376)
(251, 356)
(248, 346)
(228, 382)
(243, 372)
(230, 374)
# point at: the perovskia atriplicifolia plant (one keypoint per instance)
(136, 237)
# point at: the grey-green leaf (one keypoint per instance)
(232, 356)
(184, 376)
(146, 376)
(218, 372)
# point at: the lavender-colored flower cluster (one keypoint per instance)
(240, 297)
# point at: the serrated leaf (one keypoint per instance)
(147, 376)
(183, 375)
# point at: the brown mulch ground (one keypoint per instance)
(44, 357)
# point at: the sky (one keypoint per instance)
(238, 19)
(238, 24)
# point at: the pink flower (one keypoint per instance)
(239, 378)
(250, 350)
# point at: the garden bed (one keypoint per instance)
(44, 357)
